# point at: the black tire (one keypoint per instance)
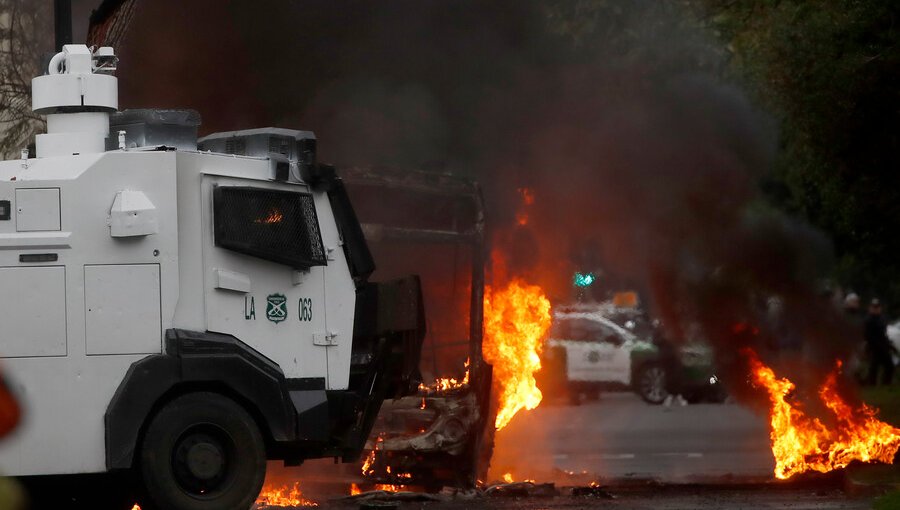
(694, 396)
(718, 394)
(202, 451)
(650, 383)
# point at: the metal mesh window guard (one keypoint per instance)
(275, 225)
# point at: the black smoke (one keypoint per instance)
(616, 114)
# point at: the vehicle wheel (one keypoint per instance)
(651, 384)
(694, 397)
(202, 451)
(718, 395)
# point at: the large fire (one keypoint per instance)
(516, 319)
(802, 443)
(284, 496)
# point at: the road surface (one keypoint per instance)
(621, 437)
(707, 456)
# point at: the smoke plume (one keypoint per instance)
(643, 160)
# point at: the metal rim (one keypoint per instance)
(203, 461)
(653, 384)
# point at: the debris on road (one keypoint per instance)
(388, 496)
(522, 490)
(592, 491)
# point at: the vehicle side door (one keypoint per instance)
(592, 352)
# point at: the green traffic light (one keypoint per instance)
(584, 279)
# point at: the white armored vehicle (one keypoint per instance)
(184, 313)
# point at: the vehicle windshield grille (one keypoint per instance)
(275, 225)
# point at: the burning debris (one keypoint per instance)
(801, 442)
(445, 384)
(389, 492)
(516, 319)
(594, 490)
(285, 496)
(435, 225)
(521, 490)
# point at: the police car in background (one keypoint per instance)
(592, 348)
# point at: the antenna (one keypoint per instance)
(62, 22)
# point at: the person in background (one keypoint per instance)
(671, 362)
(878, 346)
(856, 364)
(851, 307)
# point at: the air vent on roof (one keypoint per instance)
(287, 149)
(236, 146)
(280, 145)
(154, 128)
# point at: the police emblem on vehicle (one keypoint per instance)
(276, 307)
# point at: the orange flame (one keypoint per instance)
(355, 490)
(283, 496)
(508, 477)
(443, 384)
(522, 217)
(801, 443)
(389, 487)
(274, 216)
(516, 319)
(368, 468)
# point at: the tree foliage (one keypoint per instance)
(827, 71)
(25, 37)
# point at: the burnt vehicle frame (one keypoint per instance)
(437, 437)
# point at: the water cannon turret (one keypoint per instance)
(77, 95)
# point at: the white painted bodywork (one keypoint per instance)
(81, 352)
(126, 241)
(64, 396)
(594, 357)
(77, 94)
(132, 214)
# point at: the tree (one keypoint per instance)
(25, 37)
(829, 71)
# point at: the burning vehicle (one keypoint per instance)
(442, 434)
(597, 347)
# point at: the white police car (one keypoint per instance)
(590, 351)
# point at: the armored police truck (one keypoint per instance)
(182, 311)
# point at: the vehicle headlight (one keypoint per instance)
(453, 430)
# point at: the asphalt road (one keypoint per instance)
(659, 498)
(621, 437)
(714, 456)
